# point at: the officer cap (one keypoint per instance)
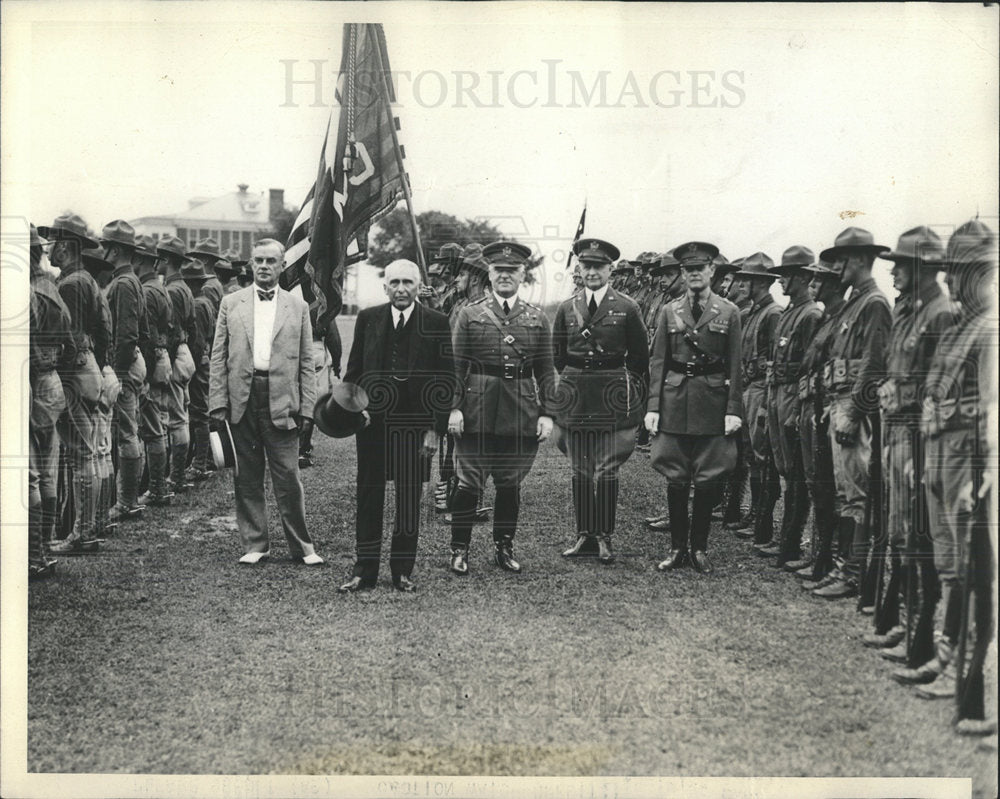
(596, 251)
(972, 243)
(853, 239)
(506, 254)
(695, 253)
(794, 260)
(757, 265)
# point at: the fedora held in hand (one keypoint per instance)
(339, 413)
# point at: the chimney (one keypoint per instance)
(243, 187)
(277, 203)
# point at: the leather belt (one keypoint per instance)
(260, 373)
(692, 369)
(509, 371)
(613, 362)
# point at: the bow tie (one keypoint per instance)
(267, 295)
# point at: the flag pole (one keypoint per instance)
(421, 261)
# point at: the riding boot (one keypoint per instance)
(770, 491)
(462, 518)
(677, 508)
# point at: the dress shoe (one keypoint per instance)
(483, 513)
(255, 557)
(896, 654)
(75, 546)
(505, 558)
(651, 520)
(604, 552)
(838, 589)
(675, 559)
(305, 461)
(884, 640)
(42, 571)
(796, 565)
(662, 526)
(150, 499)
(120, 513)
(942, 687)
(356, 584)
(579, 547)
(404, 584)
(312, 559)
(460, 561)
(701, 562)
(976, 726)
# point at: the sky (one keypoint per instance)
(754, 126)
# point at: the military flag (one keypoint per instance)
(577, 237)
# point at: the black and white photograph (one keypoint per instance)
(557, 399)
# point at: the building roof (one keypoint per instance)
(237, 208)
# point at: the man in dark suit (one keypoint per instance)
(262, 382)
(695, 403)
(401, 356)
(602, 355)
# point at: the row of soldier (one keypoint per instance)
(121, 333)
(872, 414)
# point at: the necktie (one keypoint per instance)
(265, 295)
(593, 305)
(399, 324)
(696, 309)
(506, 308)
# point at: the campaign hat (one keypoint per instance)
(68, 226)
(472, 257)
(506, 254)
(170, 246)
(206, 248)
(665, 262)
(146, 245)
(919, 245)
(95, 257)
(758, 265)
(338, 412)
(794, 260)
(194, 269)
(971, 243)
(853, 239)
(118, 232)
(35, 240)
(595, 251)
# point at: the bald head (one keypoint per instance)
(402, 281)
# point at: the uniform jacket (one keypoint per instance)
(523, 345)
(204, 322)
(917, 326)
(51, 341)
(696, 405)
(212, 288)
(817, 353)
(610, 395)
(82, 297)
(292, 380)
(795, 329)
(182, 328)
(429, 386)
(759, 325)
(128, 318)
(860, 340)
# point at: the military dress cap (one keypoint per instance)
(595, 250)
(95, 257)
(68, 226)
(35, 240)
(972, 243)
(506, 253)
(146, 245)
(758, 265)
(695, 252)
(206, 247)
(194, 270)
(118, 232)
(794, 260)
(338, 413)
(854, 239)
(172, 247)
(920, 245)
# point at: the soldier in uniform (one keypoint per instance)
(695, 403)
(153, 403)
(231, 269)
(958, 389)
(857, 366)
(81, 374)
(920, 315)
(179, 340)
(95, 262)
(814, 434)
(200, 344)
(502, 408)
(51, 343)
(754, 279)
(795, 329)
(450, 257)
(207, 251)
(602, 356)
(129, 337)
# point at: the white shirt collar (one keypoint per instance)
(509, 300)
(597, 295)
(407, 313)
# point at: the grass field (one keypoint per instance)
(162, 656)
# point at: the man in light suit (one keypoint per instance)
(262, 382)
(401, 356)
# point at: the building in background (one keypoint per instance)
(235, 220)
